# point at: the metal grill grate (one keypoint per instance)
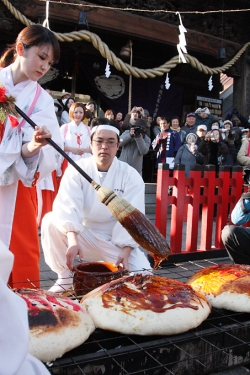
(220, 342)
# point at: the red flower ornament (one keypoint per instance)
(3, 97)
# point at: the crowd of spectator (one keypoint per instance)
(202, 138)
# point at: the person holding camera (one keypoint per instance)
(134, 144)
(230, 137)
(236, 238)
(131, 118)
(215, 151)
(203, 116)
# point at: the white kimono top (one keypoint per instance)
(14, 327)
(12, 166)
(77, 205)
(76, 136)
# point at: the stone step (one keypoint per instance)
(150, 198)
(150, 209)
(150, 188)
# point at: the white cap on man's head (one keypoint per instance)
(202, 127)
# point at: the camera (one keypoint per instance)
(246, 175)
(231, 136)
(138, 130)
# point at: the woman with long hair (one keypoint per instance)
(66, 107)
(25, 155)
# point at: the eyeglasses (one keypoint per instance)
(106, 143)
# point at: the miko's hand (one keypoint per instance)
(40, 134)
(38, 140)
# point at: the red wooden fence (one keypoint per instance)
(200, 205)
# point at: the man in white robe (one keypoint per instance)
(80, 224)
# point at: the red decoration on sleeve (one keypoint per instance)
(13, 120)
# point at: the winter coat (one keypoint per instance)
(133, 149)
(241, 156)
(215, 154)
(205, 121)
(186, 157)
(189, 129)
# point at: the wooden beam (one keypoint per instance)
(131, 25)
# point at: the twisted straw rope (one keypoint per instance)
(118, 63)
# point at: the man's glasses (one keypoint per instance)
(99, 143)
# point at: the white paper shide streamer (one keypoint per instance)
(210, 83)
(107, 70)
(46, 21)
(167, 83)
(181, 47)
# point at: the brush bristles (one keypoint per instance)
(135, 222)
(118, 206)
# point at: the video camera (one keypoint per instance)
(138, 130)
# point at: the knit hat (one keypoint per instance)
(141, 122)
(193, 134)
(228, 122)
(202, 127)
(191, 114)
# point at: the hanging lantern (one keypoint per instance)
(125, 51)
